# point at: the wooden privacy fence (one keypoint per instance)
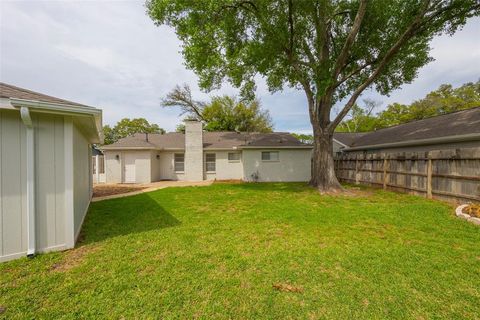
(445, 174)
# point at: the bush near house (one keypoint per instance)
(256, 251)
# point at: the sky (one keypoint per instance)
(110, 55)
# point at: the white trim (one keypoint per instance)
(13, 256)
(341, 143)
(30, 146)
(63, 109)
(69, 200)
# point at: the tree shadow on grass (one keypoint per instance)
(123, 216)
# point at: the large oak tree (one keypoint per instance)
(331, 49)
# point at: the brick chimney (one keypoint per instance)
(193, 151)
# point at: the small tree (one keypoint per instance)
(223, 113)
(127, 127)
(360, 119)
(332, 50)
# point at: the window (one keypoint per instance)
(179, 162)
(234, 156)
(270, 156)
(210, 162)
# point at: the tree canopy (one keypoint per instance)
(222, 113)
(445, 99)
(331, 49)
(127, 127)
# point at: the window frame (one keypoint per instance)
(207, 162)
(175, 162)
(234, 160)
(269, 156)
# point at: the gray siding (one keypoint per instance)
(50, 181)
(13, 239)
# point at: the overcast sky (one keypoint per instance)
(109, 54)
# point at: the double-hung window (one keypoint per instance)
(179, 162)
(270, 156)
(210, 162)
(234, 156)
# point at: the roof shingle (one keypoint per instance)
(447, 125)
(211, 140)
(13, 92)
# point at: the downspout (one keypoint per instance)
(27, 121)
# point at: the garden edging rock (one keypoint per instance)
(459, 213)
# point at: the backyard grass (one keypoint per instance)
(256, 251)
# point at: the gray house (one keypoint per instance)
(45, 170)
(198, 155)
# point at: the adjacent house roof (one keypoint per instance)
(211, 140)
(347, 138)
(10, 91)
(464, 124)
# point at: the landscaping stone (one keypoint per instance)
(459, 213)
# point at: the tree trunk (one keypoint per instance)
(323, 170)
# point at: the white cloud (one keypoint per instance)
(109, 54)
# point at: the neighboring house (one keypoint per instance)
(98, 165)
(45, 170)
(198, 155)
(342, 140)
(455, 130)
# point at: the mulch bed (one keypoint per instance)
(108, 190)
(473, 210)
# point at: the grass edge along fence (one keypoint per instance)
(452, 175)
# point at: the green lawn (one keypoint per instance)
(256, 251)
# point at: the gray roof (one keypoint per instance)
(347, 138)
(452, 124)
(13, 92)
(211, 140)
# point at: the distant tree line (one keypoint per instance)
(127, 127)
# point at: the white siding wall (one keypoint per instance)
(50, 181)
(143, 172)
(167, 167)
(293, 165)
(13, 228)
(155, 166)
(50, 197)
(81, 179)
(225, 169)
(114, 169)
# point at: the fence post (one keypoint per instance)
(429, 176)
(356, 170)
(385, 168)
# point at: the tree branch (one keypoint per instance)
(405, 36)
(362, 8)
(182, 97)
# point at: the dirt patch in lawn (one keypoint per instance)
(473, 210)
(108, 190)
(285, 287)
(73, 258)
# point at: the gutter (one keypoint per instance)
(420, 142)
(27, 121)
(63, 109)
